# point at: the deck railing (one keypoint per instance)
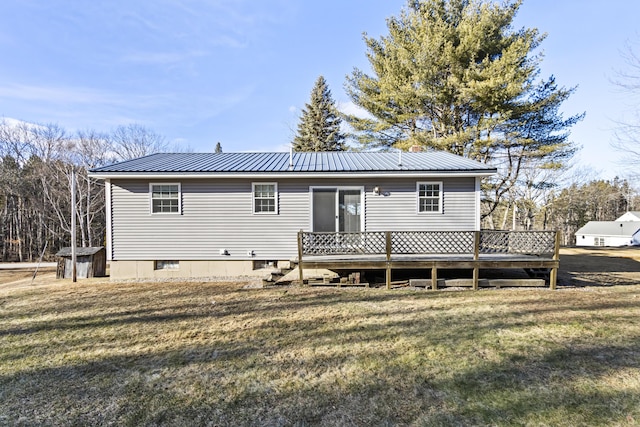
(543, 244)
(428, 242)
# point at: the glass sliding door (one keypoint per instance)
(349, 207)
(324, 210)
(336, 209)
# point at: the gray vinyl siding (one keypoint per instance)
(217, 214)
(397, 209)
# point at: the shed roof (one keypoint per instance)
(66, 251)
(313, 162)
(609, 228)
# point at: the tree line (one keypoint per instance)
(36, 164)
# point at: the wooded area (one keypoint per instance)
(35, 184)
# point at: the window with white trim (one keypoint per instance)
(165, 198)
(429, 196)
(265, 197)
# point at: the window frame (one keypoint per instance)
(151, 185)
(439, 198)
(253, 198)
(164, 265)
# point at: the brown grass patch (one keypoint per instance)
(100, 353)
(599, 266)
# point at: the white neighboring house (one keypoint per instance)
(630, 216)
(609, 233)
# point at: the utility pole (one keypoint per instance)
(73, 226)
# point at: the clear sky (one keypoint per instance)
(239, 71)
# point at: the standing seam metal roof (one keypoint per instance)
(302, 162)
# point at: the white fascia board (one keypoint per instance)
(287, 175)
(109, 221)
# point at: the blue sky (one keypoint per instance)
(239, 71)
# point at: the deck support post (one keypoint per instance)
(553, 276)
(476, 256)
(300, 258)
(434, 278)
(387, 240)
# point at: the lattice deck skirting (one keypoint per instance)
(431, 250)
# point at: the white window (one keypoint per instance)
(429, 196)
(165, 198)
(265, 197)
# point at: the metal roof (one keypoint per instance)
(329, 162)
(609, 228)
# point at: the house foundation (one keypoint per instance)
(145, 269)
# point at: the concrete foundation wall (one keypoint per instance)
(121, 270)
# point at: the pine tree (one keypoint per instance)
(453, 75)
(319, 127)
(218, 147)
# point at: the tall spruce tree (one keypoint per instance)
(454, 75)
(319, 127)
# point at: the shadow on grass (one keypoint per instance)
(351, 358)
(596, 263)
(200, 385)
(226, 356)
(598, 269)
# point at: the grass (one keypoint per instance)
(171, 353)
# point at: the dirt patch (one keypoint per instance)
(23, 277)
(19, 278)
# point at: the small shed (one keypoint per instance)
(90, 262)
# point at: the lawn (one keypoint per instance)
(192, 353)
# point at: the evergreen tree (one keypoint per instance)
(453, 75)
(319, 127)
(218, 147)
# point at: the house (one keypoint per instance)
(608, 233)
(621, 232)
(231, 214)
(630, 216)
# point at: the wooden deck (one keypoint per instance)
(390, 251)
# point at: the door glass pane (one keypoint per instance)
(349, 210)
(324, 210)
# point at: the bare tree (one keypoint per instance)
(134, 140)
(91, 151)
(627, 135)
(36, 164)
